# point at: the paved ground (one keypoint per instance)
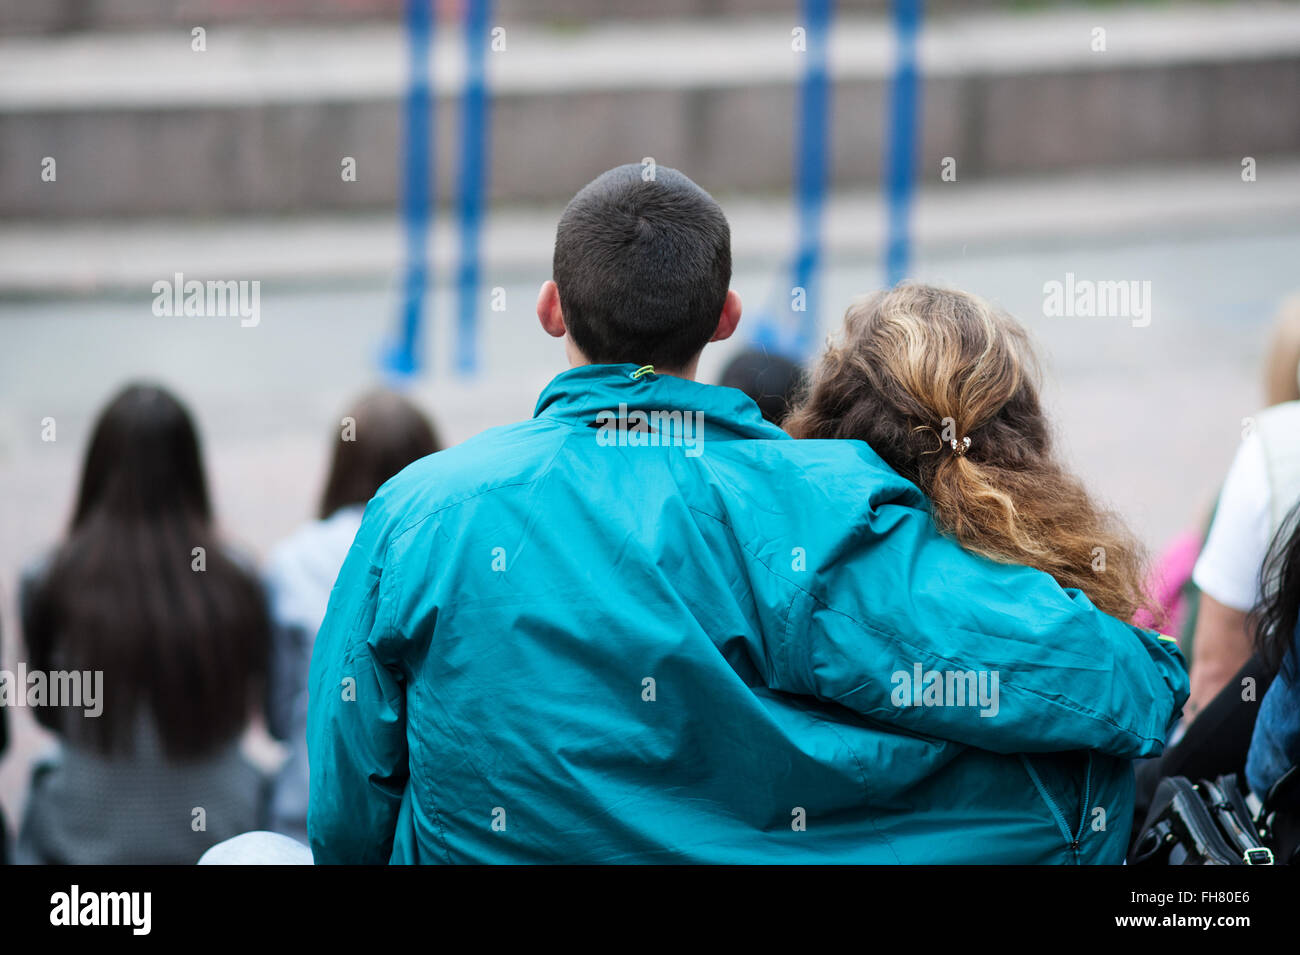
(1084, 209)
(1149, 415)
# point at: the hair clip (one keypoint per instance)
(961, 448)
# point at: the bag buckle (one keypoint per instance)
(1259, 855)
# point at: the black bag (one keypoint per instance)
(1281, 811)
(1207, 823)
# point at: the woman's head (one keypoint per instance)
(772, 381)
(379, 435)
(143, 458)
(944, 387)
(1282, 360)
(142, 592)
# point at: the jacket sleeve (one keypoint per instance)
(900, 600)
(356, 714)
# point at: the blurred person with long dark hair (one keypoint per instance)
(142, 592)
(379, 435)
(1275, 742)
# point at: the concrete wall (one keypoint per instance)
(225, 141)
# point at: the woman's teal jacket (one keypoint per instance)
(646, 626)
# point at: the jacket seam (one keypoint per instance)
(866, 789)
(540, 473)
(433, 808)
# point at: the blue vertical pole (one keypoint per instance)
(900, 160)
(418, 174)
(811, 162)
(474, 159)
(776, 331)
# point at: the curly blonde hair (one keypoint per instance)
(917, 368)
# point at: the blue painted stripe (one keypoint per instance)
(811, 168)
(418, 173)
(904, 122)
(475, 158)
(781, 330)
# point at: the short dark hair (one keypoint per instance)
(642, 266)
(773, 381)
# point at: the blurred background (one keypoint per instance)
(1169, 155)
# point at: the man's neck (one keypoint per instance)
(688, 373)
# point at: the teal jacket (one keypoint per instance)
(565, 642)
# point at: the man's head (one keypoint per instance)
(641, 272)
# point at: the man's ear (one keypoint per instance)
(729, 318)
(548, 310)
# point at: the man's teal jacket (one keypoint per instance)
(681, 636)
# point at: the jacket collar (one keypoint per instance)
(578, 395)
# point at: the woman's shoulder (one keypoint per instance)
(317, 541)
(304, 565)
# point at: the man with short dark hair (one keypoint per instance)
(646, 625)
(645, 265)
